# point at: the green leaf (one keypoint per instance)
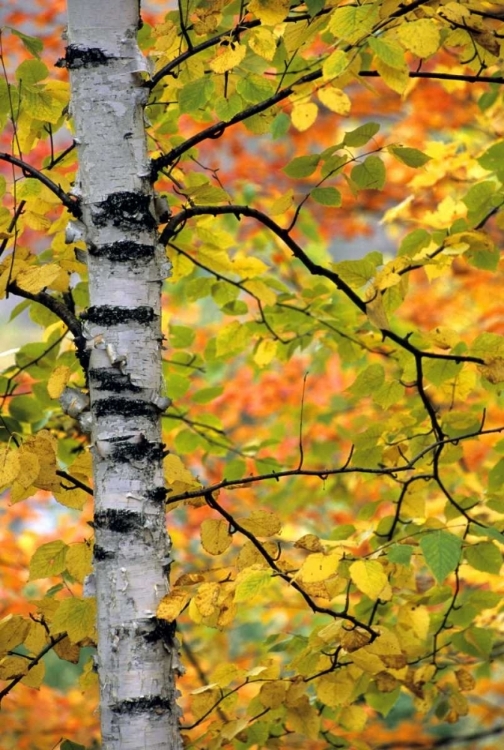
(484, 556)
(414, 242)
(370, 175)
(390, 393)
(474, 641)
(227, 108)
(250, 583)
(195, 94)
(353, 22)
(361, 135)
(30, 72)
(382, 702)
(493, 158)
(302, 166)
(389, 52)
(255, 89)
(401, 554)
(202, 194)
(412, 157)
(34, 46)
(356, 273)
(235, 469)
(314, 6)
(181, 337)
(441, 551)
(176, 385)
(368, 381)
(76, 617)
(326, 196)
(280, 126)
(205, 395)
(188, 441)
(440, 370)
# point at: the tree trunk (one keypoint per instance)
(137, 656)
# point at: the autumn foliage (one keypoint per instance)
(335, 358)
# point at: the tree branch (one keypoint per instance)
(52, 304)
(315, 268)
(70, 203)
(440, 76)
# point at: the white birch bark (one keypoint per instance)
(137, 657)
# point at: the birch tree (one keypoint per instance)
(121, 347)
(338, 554)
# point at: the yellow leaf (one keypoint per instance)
(228, 56)
(386, 682)
(181, 266)
(9, 466)
(214, 258)
(420, 37)
(282, 204)
(224, 674)
(353, 718)
(250, 555)
(262, 42)
(337, 688)
(265, 352)
(413, 625)
(12, 666)
(71, 497)
(272, 694)
(355, 639)
(396, 79)
(58, 380)
(44, 445)
(493, 369)
(178, 478)
(76, 617)
(336, 64)
(34, 278)
(250, 582)
(387, 647)
(376, 311)
(262, 291)
(309, 542)
(215, 536)
(13, 630)
(262, 523)
(79, 560)
(172, 604)
(269, 12)
(370, 578)
(230, 729)
(67, 650)
(304, 719)
(36, 638)
(29, 471)
(413, 503)
(304, 115)
(48, 560)
(89, 677)
(247, 266)
(319, 567)
(207, 598)
(203, 702)
(335, 100)
(443, 337)
(465, 679)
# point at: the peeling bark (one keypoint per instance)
(137, 655)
